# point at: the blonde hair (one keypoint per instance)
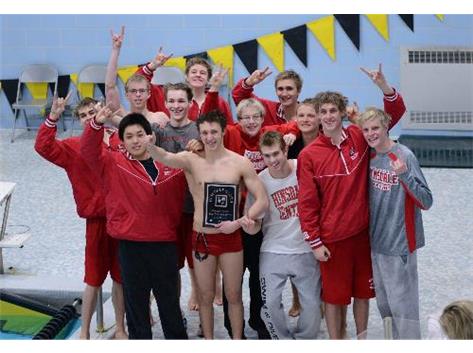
(374, 113)
(137, 78)
(250, 102)
(457, 320)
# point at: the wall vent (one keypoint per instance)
(437, 85)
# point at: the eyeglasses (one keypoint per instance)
(257, 117)
(201, 237)
(135, 91)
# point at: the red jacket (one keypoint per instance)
(333, 183)
(156, 101)
(274, 111)
(138, 208)
(239, 142)
(86, 186)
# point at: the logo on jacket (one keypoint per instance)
(353, 153)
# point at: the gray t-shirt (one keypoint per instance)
(395, 203)
(175, 139)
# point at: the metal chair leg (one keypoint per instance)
(15, 117)
(26, 120)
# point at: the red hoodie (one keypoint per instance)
(86, 186)
(156, 101)
(274, 111)
(333, 183)
(138, 208)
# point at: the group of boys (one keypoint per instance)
(309, 220)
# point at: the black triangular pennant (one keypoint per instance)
(351, 26)
(408, 20)
(248, 54)
(102, 88)
(297, 39)
(63, 82)
(200, 55)
(10, 87)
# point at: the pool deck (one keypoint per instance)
(43, 201)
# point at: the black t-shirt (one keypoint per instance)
(150, 168)
(295, 149)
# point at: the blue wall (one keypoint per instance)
(73, 41)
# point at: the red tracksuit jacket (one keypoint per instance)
(333, 183)
(138, 208)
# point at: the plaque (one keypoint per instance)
(220, 203)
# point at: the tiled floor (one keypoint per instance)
(43, 201)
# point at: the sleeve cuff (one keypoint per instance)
(244, 85)
(313, 243)
(95, 125)
(147, 70)
(50, 123)
(391, 97)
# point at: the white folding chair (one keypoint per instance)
(90, 74)
(167, 74)
(35, 73)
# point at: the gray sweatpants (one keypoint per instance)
(304, 272)
(397, 292)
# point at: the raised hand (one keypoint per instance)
(378, 79)
(217, 78)
(58, 106)
(104, 114)
(257, 76)
(117, 39)
(159, 59)
(353, 112)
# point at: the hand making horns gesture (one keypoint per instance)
(117, 39)
(58, 106)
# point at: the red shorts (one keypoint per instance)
(184, 240)
(101, 253)
(348, 272)
(217, 244)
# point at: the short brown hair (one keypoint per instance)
(180, 86)
(330, 97)
(271, 138)
(289, 75)
(84, 103)
(197, 60)
(137, 78)
(307, 101)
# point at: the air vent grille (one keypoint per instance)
(440, 57)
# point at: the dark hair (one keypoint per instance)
(270, 138)
(134, 119)
(180, 86)
(83, 103)
(213, 116)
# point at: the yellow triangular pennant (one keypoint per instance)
(179, 62)
(380, 22)
(273, 45)
(38, 90)
(74, 78)
(126, 72)
(84, 89)
(323, 30)
(440, 17)
(223, 56)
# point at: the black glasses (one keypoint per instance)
(201, 238)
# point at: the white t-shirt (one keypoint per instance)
(281, 226)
